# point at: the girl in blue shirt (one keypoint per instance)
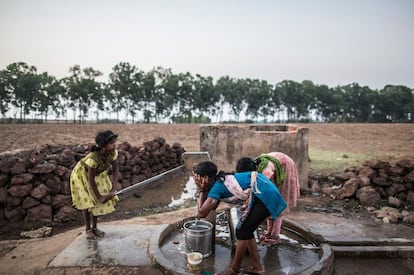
(264, 200)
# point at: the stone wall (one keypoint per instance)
(226, 144)
(376, 184)
(34, 185)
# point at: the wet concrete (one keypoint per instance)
(290, 257)
(354, 243)
(361, 246)
(123, 245)
(374, 266)
(341, 231)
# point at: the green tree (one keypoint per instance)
(125, 89)
(290, 96)
(358, 103)
(149, 94)
(328, 103)
(206, 98)
(23, 84)
(49, 96)
(233, 92)
(5, 92)
(167, 100)
(82, 89)
(185, 99)
(307, 101)
(257, 98)
(299, 99)
(395, 104)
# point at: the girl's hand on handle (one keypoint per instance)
(111, 194)
(106, 198)
(103, 199)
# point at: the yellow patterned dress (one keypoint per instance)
(82, 193)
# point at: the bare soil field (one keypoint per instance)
(332, 147)
(390, 140)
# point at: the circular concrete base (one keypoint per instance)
(323, 266)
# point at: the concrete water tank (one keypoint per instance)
(227, 143)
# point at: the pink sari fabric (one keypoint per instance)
(290, 188)
(234, 187)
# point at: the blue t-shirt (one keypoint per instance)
(266, 192)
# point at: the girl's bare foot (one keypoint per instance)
(265, 236)
(90, 235)
(98, 232)
(271, 240)
(253, 270)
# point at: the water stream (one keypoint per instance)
(162, 195)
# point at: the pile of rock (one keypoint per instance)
(34, 185)
(376, 184)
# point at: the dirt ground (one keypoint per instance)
(358, 141)
(376, 139)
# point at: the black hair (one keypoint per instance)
(103, 138)
(206, 168)
(209, 169)
(246, 165)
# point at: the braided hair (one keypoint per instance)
(278, 175)
(103, 138)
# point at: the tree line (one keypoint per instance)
(161, 95)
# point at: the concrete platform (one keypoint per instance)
(343, 231)
(138, 244)
(123, 245)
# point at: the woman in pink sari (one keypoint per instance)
(281, 169)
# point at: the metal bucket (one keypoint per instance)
(198, 237)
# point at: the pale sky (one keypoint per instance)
(330, 42)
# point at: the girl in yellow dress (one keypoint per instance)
(90, 185)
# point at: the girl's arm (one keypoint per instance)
(91, 178)
(206, 206)
(202, 196)
(114, 176)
